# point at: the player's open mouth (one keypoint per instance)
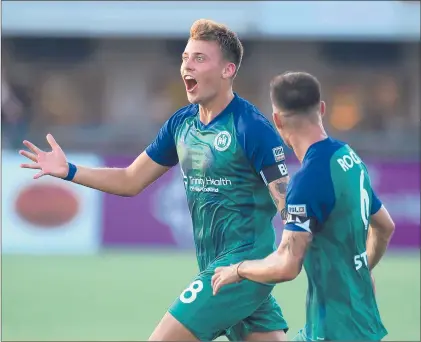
(190, 83)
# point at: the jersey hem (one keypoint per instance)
(283, 327)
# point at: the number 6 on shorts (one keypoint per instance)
(194, 288)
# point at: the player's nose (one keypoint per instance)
(188, 65)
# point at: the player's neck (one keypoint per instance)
(208, 111)
(301, 142)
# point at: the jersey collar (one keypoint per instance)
(228, 109)
(317, 146)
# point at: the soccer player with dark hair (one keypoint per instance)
(336, 225)
(230, 155)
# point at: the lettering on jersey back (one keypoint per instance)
(360, 260)
(348, 161)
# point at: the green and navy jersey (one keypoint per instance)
(225, 166)
(332, 198)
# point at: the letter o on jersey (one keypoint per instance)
(348, 161)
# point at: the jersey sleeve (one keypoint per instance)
(163, 149)
(309, 201)
(376, 204)
(263, 147)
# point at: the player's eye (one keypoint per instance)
(200, 58)
(184, 58)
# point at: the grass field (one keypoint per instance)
(122, 296)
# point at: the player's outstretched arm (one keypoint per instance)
(379, 235)
(127, 181)
(283, 265)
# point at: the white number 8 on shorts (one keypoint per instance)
(194, 288)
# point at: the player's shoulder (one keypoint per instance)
(310, 184)
(250, 119)
(179, 117)
(314, 176)
(319, 154)
(184, 112)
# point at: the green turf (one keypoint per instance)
(122, 296)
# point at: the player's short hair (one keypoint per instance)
(230, 44)
(295, 92)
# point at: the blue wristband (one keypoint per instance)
(71, 173)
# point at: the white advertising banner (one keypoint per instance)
(48, 215)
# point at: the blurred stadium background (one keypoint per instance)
(104, 76)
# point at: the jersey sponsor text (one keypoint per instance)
(207, 184)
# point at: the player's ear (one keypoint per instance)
(229, 71)
(322, 108)
(277, 120)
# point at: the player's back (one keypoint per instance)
(340, 302)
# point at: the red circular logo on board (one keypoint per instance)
(46, 205)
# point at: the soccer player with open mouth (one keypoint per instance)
(235, 178)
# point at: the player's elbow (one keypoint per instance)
(283, 273)
(386, 230)
(130, 186)
(131, 192)
(128, 194)
(293, 273)
(382, 223)
(390, 228)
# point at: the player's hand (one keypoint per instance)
(223, 276)
(51, 163)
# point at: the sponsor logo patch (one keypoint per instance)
(297, 209)
(278, 153)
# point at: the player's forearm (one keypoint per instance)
(111, 180)
(269, 270)
(377, 243)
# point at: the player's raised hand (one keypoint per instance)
(51, 163)
(224, 276)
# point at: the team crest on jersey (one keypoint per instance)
(278, 153)
(297, 209)
(222, 141)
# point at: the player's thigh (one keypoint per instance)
(207, 316)
(266, 323)
(169, 329)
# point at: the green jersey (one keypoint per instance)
(226, 165)
(332, 198)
